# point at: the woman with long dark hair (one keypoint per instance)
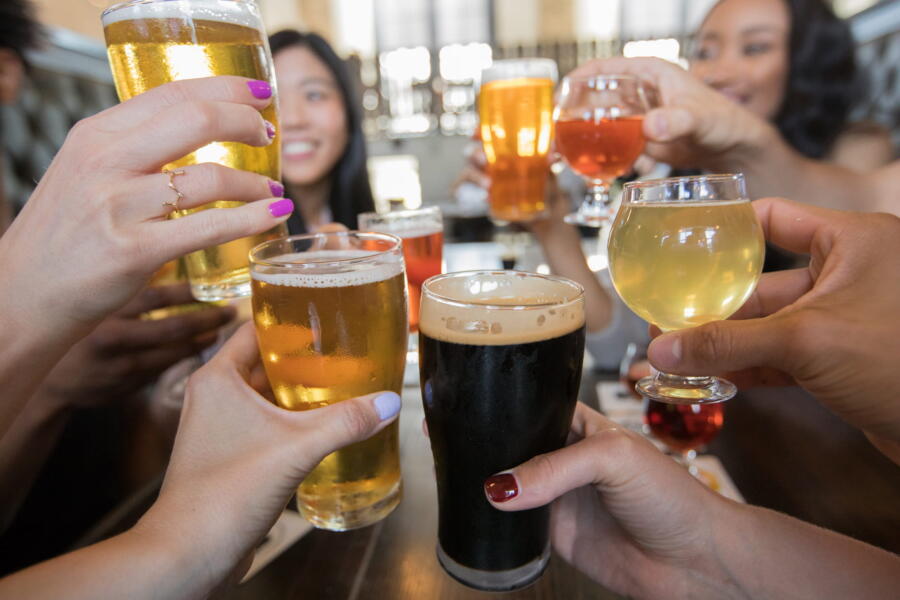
(324, 149)
(792, 63)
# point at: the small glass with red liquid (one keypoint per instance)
(684, 428)
(599, 132)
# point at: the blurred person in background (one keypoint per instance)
(792, 63)
(324, 148)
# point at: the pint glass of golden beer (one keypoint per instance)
(515, 106)
(152, 42)
(330, 313)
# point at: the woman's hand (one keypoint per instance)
(694, 126)
(627, 515)
(96, 227)
(632, 519)
(126, 352)
(238, 458)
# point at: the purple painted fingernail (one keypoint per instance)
(260, 89)
(276, 188)
(270, 130)
(387, 405)
(282, 207)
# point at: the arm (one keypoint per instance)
(122, 355)
(632, 519)
(562, 249)
(237, 460)
(862, 147)
(770, 555)
(95, 230)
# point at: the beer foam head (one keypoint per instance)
(228, 11)
(328, 268)
(500, 308)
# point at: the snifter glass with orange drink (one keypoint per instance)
(599, 132)
(515, 106)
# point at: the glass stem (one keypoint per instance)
(596, 202)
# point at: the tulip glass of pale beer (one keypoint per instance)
(515, 106)
(500, 364)
(422, 232)
(330, 314)
(683, 252)
(152, 42)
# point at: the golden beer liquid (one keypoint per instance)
(147, 52)
(516, 131)
(322, 344)
(680, 265)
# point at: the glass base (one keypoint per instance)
(589, 218)
(673, 389)
(226, 290)
(495, 581)
(354, 519)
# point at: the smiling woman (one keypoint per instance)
(324, 152)
(791, 62)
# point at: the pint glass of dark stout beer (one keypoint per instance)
(330, 315)
(500, 365)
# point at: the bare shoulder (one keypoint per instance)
(886, 188)
(862, 146)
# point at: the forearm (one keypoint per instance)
(773, 168)
(24, 450)
(770, 555)
(31, 343)
(562, 249)
(136, 564)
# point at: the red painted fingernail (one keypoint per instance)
(501, 488)
(276, 188)
(270, 130)
(282, 207)
(260, 89)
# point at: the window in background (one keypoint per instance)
(395, 177)
(597, 20)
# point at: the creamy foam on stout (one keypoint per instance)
(235, 13)
(330, 274)
(494, 313)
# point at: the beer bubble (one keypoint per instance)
(496, 328)
(478, 327)
(541, 320)
(552, 311)
(453, 324)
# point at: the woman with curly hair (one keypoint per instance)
(792, 63)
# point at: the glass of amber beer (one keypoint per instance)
(422, 232)
(152, 42)
(330, 314)
(683, 252)
(515, 106)
(500, 365)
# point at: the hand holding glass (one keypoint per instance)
(599, 132)
(683, 252)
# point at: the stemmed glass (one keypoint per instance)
(683, 428)
(684, 252)
(599, 132)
